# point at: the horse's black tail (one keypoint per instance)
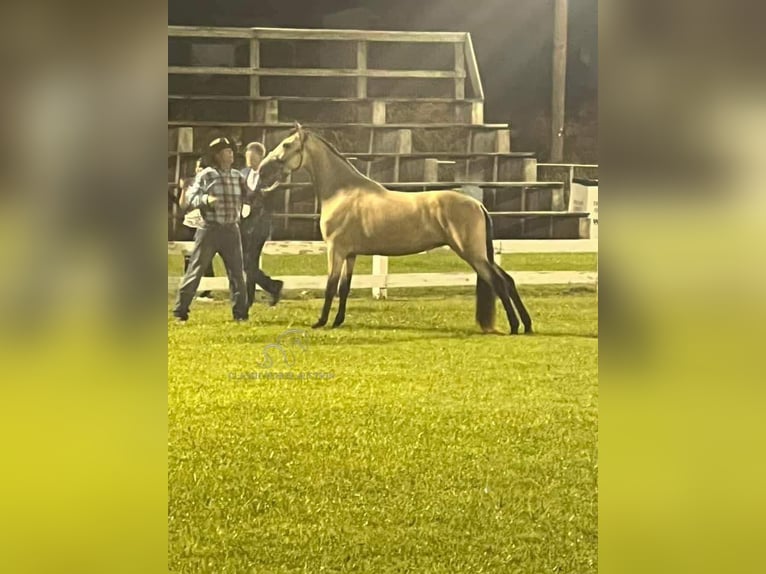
(485, 295)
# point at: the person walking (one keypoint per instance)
(218, 192)
(256, 228)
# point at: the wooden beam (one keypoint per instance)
(311, 72)
(406, 280)
(433, 126)
(208, 32)
(558, 96)
(473, 68)
(548, 164)
(513, 214)
(467, 103)
(297, 247)
(371, 35)
(368, 156)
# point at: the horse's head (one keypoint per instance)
(283, 159)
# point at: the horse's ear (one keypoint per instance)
(300, 131)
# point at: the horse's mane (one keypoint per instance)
(335, 151)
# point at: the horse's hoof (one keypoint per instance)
(337, 324)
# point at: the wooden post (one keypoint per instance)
(185, 140)
(477, 112)
(271, 112)
(529, 165)
(459, 71)
(255, 81)
(558, 95)
(378, 112)
(431, 169)
(503, 141)
(361, 67)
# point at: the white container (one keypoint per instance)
(583, 196)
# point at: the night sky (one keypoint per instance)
(512, 39)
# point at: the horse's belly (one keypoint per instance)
(384, 225)
(400, 240)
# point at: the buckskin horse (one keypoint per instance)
(361, 217)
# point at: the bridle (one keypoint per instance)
(303, 151)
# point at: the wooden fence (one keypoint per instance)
(380, 280)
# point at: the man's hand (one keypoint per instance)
(245, 210)
(210, 201)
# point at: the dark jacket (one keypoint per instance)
(255, 197)
(256, 227)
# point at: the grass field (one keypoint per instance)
(404, 441)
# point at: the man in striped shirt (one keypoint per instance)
(218, 192)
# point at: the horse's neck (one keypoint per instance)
(331, 173)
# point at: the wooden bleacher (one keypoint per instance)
(407, 108)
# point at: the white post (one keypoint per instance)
(379, 269)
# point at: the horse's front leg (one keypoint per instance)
(334, 267)
(345, 288)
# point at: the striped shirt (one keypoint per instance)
(228, 187)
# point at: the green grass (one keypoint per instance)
(431, 448)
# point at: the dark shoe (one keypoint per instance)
(241, 319)
(180, 318)
(276, 295)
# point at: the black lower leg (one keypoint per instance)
(343, 291)
(345, 288)
(516, 298)
(329, 295)
(499, 284)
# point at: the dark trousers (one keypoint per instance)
(208, 273)
(255, 232)
(225, 240)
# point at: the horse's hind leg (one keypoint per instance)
(335, 265)
(516, 298)
(493, 275)
(345, 288)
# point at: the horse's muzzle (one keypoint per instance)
(270, 174)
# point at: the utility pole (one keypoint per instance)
(558, 96)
